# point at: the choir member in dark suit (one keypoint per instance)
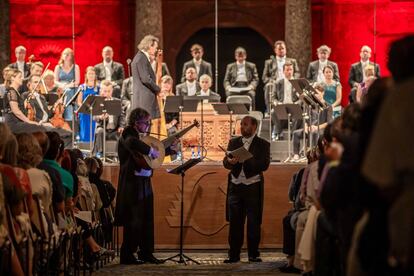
(245, 190)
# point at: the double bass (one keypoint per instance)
(58, 109)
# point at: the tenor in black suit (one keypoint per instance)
(245, 190)
(356, 76)
(117, 75)
(205, 68)
(313, 70)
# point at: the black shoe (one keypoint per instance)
(231, 260)
(255, 260)
(149, 258)
(131, 261)
(290, 269)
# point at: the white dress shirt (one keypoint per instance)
(191, 88)
(242, 177)
(20, 67)
(197, 65)
(364, 64)
(241, 72)
(108, 70)
(287, 93)
(280, 62)
(322, 64)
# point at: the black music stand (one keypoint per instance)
(230, 109)
(111, 107)
(177, 104)
(180, 170)
(72, 102)
(92, 105)
(288, 112)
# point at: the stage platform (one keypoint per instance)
(204, 205)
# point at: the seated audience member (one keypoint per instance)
(284, 94)
(42, 114)
(201, 66)
(357, 74)
(58, 192)
(324, 117)
(363, 87)
(333, 91)
(205, 85)
(241, 77)
(14, 107)
(110, 70)
(21, 64)
(273, 70)
(190, 86)
(8, 196)
(315, 68)
(114, 124)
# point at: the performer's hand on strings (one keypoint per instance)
(154, 153)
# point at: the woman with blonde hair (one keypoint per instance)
(67, 76)
(90, 87)
(15, 112)
(362, 88)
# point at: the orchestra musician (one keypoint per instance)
(42, 113)
(114, 124)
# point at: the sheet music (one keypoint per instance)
(241, 153)
(84, 215)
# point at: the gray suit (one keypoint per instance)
(117, 76)
(182, 89)
(356, 76)
(205, 68)
(313, 69)
(269, 76)
(251, 75)
(145, 89)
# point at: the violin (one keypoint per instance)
(59, 108)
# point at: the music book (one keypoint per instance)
(241, 153)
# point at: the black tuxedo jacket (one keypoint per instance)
(231, 74)
(313, 69)
(356, 75)
(205, 68)
(26, 68)
(118, 73)
(280, 92)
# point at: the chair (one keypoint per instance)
(242, 99)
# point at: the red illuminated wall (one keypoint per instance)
(346, 25)
(45, 29)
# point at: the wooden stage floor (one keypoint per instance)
(205, 187)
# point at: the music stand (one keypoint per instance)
(201, 101)
(230, 109)
(111, 107)
(92, 105)
(180, 170)
(73, 103)
(288, 112)
(177, 104)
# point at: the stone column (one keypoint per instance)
(298, 32)
(4, 35)
(148, 19)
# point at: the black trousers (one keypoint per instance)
(288, 235)
(139, 230)
(244, 201)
